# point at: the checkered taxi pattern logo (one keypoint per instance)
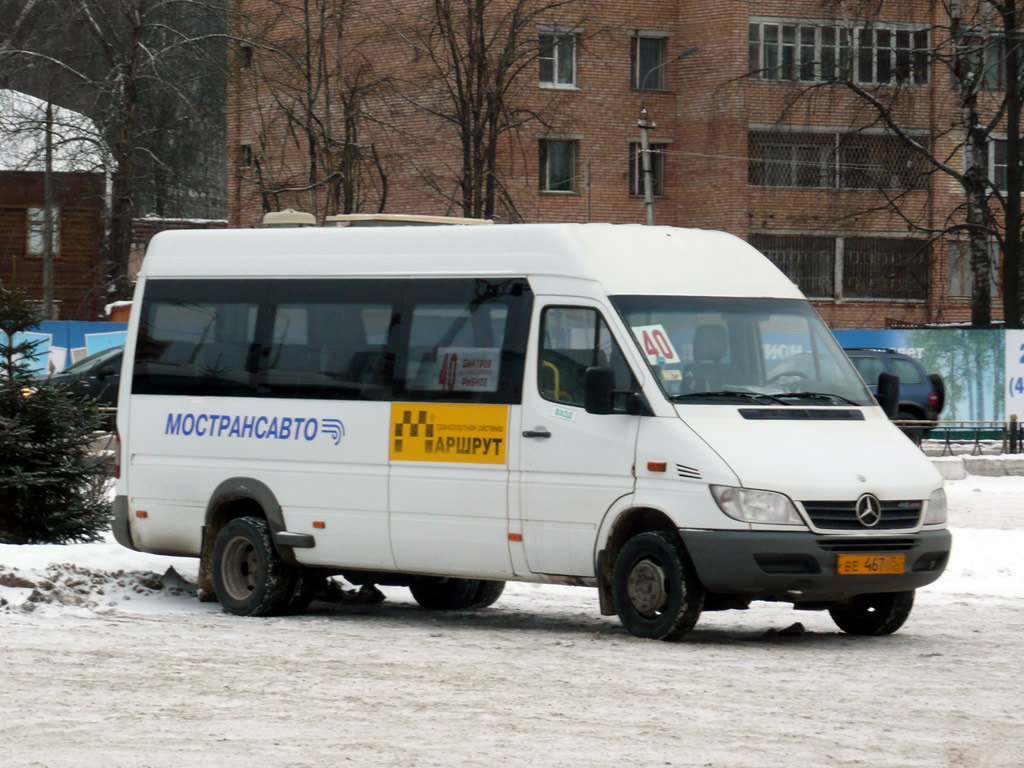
(449, 432)
(413, 424)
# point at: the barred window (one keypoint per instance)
(884, 268)
(807, 261)
(833, 160)
(894, 269)
(876, 55)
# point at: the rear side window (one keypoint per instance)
(906, 370)
(266, 338)
(869, 368)
(461, 340)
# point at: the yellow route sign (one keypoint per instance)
(473, 434)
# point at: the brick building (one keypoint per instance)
(751, 136)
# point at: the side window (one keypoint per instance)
(326, 339)
(572, 340)
(906, 370)
(869, 369)
(465, 340)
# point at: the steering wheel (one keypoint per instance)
(777, 378)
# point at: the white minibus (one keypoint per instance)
(653, 412)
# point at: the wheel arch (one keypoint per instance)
(625, 525)
(233, 498)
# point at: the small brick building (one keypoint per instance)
(751, 137)
(78, 239)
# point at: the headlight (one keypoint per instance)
(936, 513)
(752, 506)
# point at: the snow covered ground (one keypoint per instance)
(104, 661)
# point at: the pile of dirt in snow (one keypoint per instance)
(72, 585)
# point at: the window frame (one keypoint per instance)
(558, 38)
(35, 231)
(779, 49)
(636, 175)
(637, 80)
(545, 165)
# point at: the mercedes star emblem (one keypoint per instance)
(869, 510)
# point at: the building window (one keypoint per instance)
(807, 261)
(833, 161)
(558, 165)
(245, 52)
(961, 278)
(893, 269)
(880, 55)
(245, 155)
(36, 230)
(558, 59)
(636, 169)
(647, 55)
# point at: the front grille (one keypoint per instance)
(842, 515)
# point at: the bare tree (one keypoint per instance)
(479, 51)
(310, 82)
(137, 68)
(978, 45)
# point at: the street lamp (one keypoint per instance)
(645, 148)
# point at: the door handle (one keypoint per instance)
(536, 433)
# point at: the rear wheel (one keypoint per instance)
(487, 594)
(440, 594)
(248, 575)
(656, 591)
(877, 614)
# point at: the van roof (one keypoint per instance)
(623, 258)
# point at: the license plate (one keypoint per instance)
(871, 565)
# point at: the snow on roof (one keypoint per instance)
(76, 141)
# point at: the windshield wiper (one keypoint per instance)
(728, 394)
(783, 396)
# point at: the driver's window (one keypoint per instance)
(572, 340)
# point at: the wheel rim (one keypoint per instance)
(240, 566)
(646, 588)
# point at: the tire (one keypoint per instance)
(440, 594)
(656, 591)
(309, 582)
(877, 614)
(488, 594)
(248, 575)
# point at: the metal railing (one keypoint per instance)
(961, 432)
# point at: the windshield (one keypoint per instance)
(724, 349)
(87, 363)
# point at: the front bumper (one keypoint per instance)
(801, 566)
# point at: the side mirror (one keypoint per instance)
(105, 371)
(598, 390)
(888, 393)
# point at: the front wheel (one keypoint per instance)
(878, 614)
(656, 591)
(248, 575)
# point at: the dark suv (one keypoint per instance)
(922, 395)
(95, 377)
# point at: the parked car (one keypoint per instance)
(922, 395)
(96, 376)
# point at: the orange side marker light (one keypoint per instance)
(656, 466)
(319, 524)
(141, 514)
(515, 537)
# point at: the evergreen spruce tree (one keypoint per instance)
(53, 487)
